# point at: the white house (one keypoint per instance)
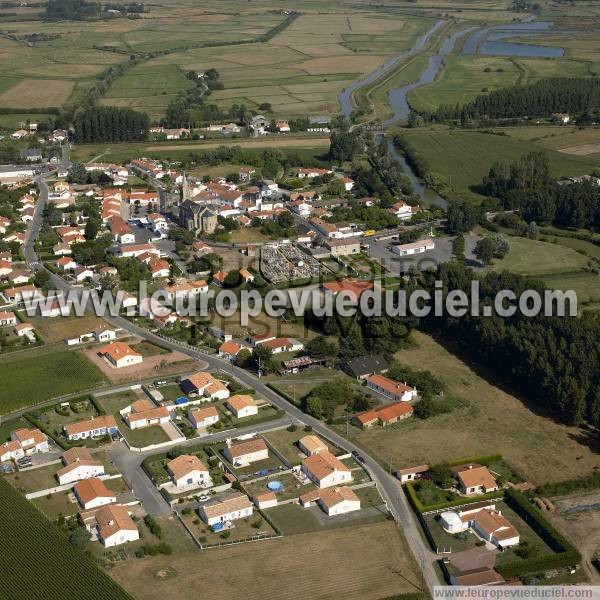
(488, 523)
(144, 413)
(120, 355)
(333, 501)
(188, 470)
(204, 384)
(79, 464)
(82, 274)
(414, 247)
(186, 289)
(8, 318)
(246, 452)
(114, 526)
(203, 417)
(229, 508)
(325, 470)
(92, 493)
(95, 427)
(242, 406)
(103, 333)
(394, 390)
(402, 210)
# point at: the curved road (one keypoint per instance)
(389, 487)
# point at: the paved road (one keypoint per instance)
(388, 486)
(129, 463)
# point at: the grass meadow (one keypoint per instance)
(491, 421)
(463, 158)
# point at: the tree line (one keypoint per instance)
(580, 96)
(111, 124)
(550, 359)
(526, 185)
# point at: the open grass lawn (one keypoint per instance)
(463, 158)
(534, 257)
(35, 480)
(246, 235)
(494, 421)
(33, 93)
(56, 505)
(113, 403)
(555, 137)
(55, 421)
(59, 328)
(286, 443)
(7, 426)
(255, 571)
(149, 349)
(31, 378)
(242, 530)
(585, 285)
(139, 438)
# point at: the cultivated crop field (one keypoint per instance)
(60, 571)
(31, 93)
(254, 571)
(38, 375)
(302, 69)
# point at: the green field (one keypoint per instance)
(30, 378)
(308, 147)
(463, 158)
(533, 257)
(465, 77)
(60, 570)
(147, 88)
(490, 421)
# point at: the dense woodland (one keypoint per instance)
(552, 360)
(111, 124)
(576, 96)
(526, 185)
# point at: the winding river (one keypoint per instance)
(486, 41)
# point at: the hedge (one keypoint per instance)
(421, 508)
(482, 460)
(586, 483)
(565, 553)
(64, 444)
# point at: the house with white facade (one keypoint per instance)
(325, 470)
(188, 470)
(246, 452)
(224, 509)
(242, 405)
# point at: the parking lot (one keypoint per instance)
(443, 252)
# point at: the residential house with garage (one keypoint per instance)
(225, 508)
(325, 470)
